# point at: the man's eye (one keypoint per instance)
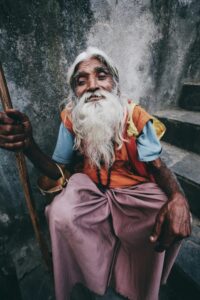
(102, 76)
(81, 82)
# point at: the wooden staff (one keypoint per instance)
(23, 174)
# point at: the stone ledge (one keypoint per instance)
(182, 162)
(189, 255)
(186, 166)
(180, 115)
(186, 272)
(183, 128)
(185, 275)
(34, 280)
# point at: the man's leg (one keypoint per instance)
(82, 239)
(139, 268)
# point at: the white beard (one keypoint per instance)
(98, 125)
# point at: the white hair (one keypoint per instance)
(92, 52)
(98, 126)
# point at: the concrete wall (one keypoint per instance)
(155, 44)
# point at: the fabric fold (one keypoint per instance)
(98, 238)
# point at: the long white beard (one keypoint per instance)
(98, 125)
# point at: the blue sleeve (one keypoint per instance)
(148, 145)
(64, 147)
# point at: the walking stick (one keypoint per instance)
(23, 174)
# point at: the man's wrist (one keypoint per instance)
(179, 198)
(29, 145)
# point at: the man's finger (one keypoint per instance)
(166, 239)
(11, 129)
(187, 230)
(27, 126)
(12, 138)
(4, 119)
(16, 115)
(157, 229)
(18, 146)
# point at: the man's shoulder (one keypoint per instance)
(136, 108)
(137, 117)
(66, 118)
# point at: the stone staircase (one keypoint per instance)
(181, 152)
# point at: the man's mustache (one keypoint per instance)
(93, 96)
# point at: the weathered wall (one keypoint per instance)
(152, 42)
(155, 44)
(38, 40)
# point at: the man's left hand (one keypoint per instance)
(173, 223)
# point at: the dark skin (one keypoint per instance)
(173, 220)
(16, 135)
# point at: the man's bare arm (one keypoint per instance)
(43, 162)
(16, 135)
(173, 220)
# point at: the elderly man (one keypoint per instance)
(120, 219)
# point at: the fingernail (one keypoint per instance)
(152, 238)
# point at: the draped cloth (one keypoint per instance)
(102, 237)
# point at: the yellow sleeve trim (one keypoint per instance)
(132, 130)
(159, 127)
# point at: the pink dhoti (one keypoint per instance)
(98, 237)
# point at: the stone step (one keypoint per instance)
(190, 96)
(183, 128)
(185, 275)
(34, 280)
(186, 166)
(8, 278)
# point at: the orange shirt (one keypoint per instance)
(122, 173)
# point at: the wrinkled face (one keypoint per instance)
(92, 76)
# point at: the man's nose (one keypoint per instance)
(92, 85)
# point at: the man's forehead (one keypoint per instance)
(90, 65)
(87, 59)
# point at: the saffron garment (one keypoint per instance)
(148, 145)
(98, 238)
(122, 169)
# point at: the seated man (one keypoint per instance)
(120, 219)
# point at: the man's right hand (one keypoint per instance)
(15, 131)
(16, 135)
